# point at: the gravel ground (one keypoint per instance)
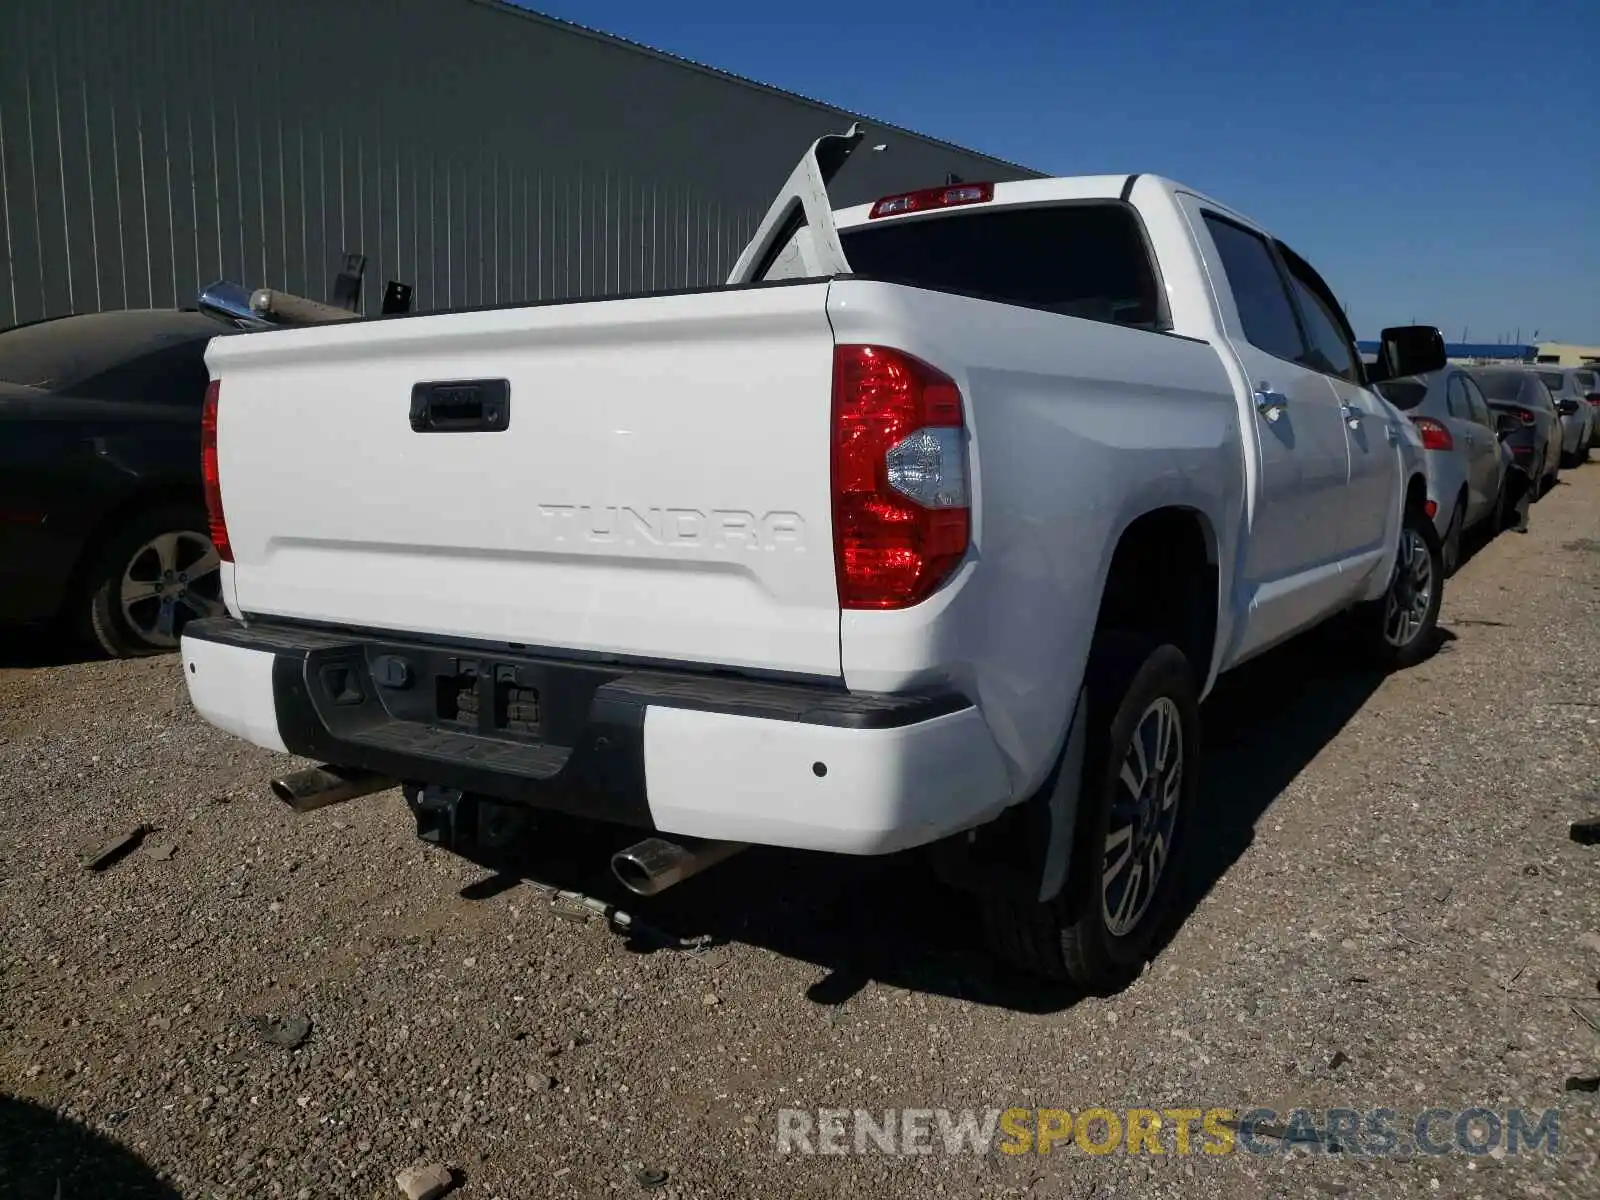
(1387, 912)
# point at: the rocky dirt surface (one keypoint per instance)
(1387, 911)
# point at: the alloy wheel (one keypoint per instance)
(168, 580)
(1405, 610)
(1144, 812)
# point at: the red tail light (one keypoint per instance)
(1523, 415)
(1594, 399)
(901, 504)
(209, 475)
(1435, 436)
(929, 198)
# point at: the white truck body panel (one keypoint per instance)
(1061, 414)
(662, 491)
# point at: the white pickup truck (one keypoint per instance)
(930, 528)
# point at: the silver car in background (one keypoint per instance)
(1572, 402)
(1465, 463)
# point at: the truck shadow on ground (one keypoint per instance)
(888, 920)
(47, 1157)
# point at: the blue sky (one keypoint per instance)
(1435, 161)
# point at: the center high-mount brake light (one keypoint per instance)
(1435, 435)
(901, 503)
(210, 477)
(927, 199)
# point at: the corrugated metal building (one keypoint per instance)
(480, 152)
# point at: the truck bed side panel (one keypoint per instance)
(1077, 429)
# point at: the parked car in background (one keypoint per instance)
(1522, 394)
(1589, 384)
(1572, 403)
(1466, 477)
(102, 515)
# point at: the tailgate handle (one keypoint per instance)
(461, 406)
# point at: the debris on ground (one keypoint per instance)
(289, 1032)
(110, 852)
(1584, 1017)
(162, 851)
(1586, 833)
(650, 1178)
(1338, 1060)
(1583, 1083)
(424, 1183)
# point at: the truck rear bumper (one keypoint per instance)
(802, 765)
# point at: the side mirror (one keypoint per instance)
(1567, 407)
(1407, 350)
(1505, 425)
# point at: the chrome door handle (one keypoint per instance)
(1270, 404)
(1351, 415)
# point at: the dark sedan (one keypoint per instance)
(102, 518)
(1537, 445)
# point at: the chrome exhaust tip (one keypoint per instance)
(652, 866)
(318, 787)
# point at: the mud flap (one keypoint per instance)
(1025, 852)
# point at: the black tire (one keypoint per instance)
(1417, 638)
(1500, 520)
(1548, 480)
(1451, 548)
(1072, 937)
(127, 554)
(1511, 505)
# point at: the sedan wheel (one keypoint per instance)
(169, 579)
(1452, 539)
(148, 578)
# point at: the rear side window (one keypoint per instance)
(1475, 401)
(1541, 395)
(1081, 260)
(1404, 394)
(1502, 385)
(1552, 380)
(1586, 380)
(1328, 351)
(1455, 398)
(1258, 288)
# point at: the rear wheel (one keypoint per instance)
(1451, 551)
(1511, 505)
(1135, 807)
(147, 578)
(1548, 480)
(1400, 627)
